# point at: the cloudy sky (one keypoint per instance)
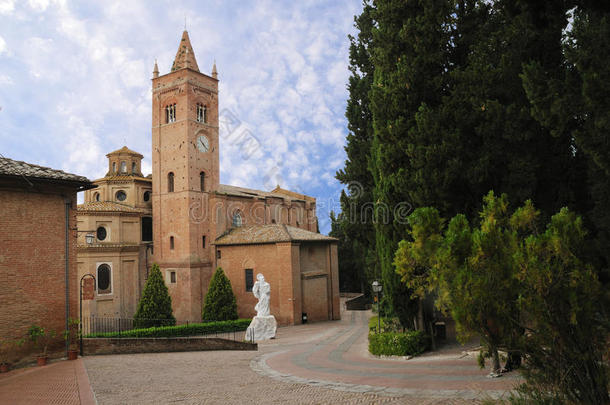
(75, 84)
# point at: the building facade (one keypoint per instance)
(38, 277)
(119, 213)
(199, 224)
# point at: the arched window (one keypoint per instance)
(236, 223)
(113, 167)
(123, 167)
(96, 196)
(171, 242)
(104, 279)
(170, 113)
(202, 181)
(202, 113)
(146, 196)
(101, 233)
(170, 182)
(133, 167)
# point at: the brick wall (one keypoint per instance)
(160, 345)
(32, 261)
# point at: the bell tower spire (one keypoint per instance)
(185, 57)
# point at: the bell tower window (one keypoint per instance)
(170, 182)
(123, 167)
(114, 167)
(237, 222)
(133, 167)
(202, 113)
(170, 113)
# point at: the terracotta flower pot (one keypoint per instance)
(42, 360)
(3, 368)
(72, 354)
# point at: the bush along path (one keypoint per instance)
(192, 329)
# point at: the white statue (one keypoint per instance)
(262, 291)
(263, 325)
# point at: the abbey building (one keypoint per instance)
(183, 219)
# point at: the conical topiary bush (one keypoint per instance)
(220, 303)
(155, 306)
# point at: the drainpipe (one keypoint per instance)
(68, 203)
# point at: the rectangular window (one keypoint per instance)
(249, 280)
(218, 254)
(147, 229)
(203, 241)
(172, 277)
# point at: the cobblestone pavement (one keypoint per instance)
(61, 382)
(320, 363)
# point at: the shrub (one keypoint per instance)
(409, 343)
(220, 303)
(155, 306)
(180, 330)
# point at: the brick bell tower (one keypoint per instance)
(185, 172)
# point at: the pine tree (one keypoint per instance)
(155, 306)
(220, 303)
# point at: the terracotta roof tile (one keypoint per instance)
(110, 206)
(273, 233)
(249, 192)
(10, 167)
(124, 150)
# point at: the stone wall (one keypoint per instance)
(95, 346)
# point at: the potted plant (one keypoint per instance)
(41, 339)
(71, 336)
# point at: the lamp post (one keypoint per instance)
(377, 287)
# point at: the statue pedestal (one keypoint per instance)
(261, 328)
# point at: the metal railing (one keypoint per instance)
(96, 325)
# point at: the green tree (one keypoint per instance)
(411, 60)
(354, 225)
(567, 329)
(155, 306)
(220, 303)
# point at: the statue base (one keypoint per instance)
(261, 328)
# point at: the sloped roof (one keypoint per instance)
(110, 206)
(10, 167)
(249, 192)
(273, 233)
(125, 150)
(185, 57)
(125, 177)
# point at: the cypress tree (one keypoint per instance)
(220, 303)
(354, 226)
(155, 306)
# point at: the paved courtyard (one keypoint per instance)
(320, 363)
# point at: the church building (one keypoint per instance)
(199, 224)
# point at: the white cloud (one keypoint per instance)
(283, 72)
(7, 6)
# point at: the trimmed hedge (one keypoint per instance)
(192, 329)
(398, 344)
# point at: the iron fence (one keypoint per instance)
(96, 325)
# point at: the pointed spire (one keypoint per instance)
(214, 71)
(155, 70)
(185, 57)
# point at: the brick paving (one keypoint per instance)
(61, 382)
